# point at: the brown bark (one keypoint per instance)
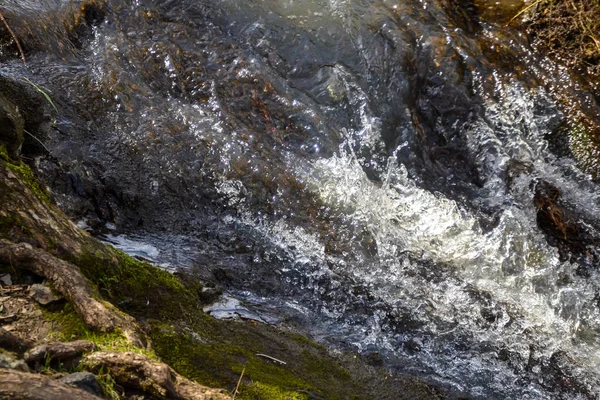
(14, 343)
(24, 386)
(59, 351)
(70, 282)
(139, 372)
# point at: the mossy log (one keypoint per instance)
(25, 386)
(139, 372)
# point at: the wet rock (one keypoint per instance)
(560, 372)
(83, 380)
(231, 308)
(59, 351)
(43, 294)
(464, 14)
(563, 227)
(12, 361)
(82, 18)
(514, 170)
(11, 126)
(499, 12)
(25, 119)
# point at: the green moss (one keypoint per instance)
(214, 353)
(4, 154)
(137, 287)
(7, 222)
(107, 384)
(219, 360)
(27, 176)
(203, 362)
(261, 391)
(304, 340)
(325, 369)
(70, 327)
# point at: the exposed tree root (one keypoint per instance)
(25, 386)
(140, 373)
(11, 342)
(58, 351)
(68, 281)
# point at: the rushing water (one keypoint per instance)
(373, 171)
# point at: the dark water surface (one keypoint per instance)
(380, 174)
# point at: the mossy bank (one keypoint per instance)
(168, 310)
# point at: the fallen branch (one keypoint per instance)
(12, 34)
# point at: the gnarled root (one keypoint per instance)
(25, 386)
(69, 281)
(140, 373)
(58, 351)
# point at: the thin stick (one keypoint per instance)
(535, 3)
(238, 384)
(272, 358)
(38, 140)
(14, 37)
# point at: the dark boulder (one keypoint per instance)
(25, 117)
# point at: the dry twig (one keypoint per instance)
(238, 384)
(272, 358)
(535, 3)
(12, 34)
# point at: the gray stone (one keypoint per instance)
(10, 360)
(43, 294)
(6, 279)
(83, 380)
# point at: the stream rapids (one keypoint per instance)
(381, 175)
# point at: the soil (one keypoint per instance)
(21, 315)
